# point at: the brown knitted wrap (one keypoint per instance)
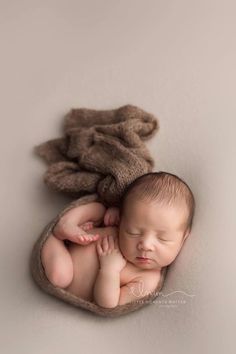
(100, 154)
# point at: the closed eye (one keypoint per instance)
(164, 240)
(133, 234)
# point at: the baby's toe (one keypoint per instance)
(84, 239)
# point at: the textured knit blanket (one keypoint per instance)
(101, 151)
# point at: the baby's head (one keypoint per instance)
(156, 216)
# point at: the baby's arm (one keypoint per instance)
(107, 291)
(74, 223)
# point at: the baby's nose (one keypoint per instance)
(146, 243)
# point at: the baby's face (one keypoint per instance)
(150, 230)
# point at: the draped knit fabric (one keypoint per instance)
(99, 154)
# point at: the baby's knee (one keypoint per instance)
(61, 276)
(57, 262)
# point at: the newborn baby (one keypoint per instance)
(121, 261)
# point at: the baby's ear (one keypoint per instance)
(186, 235)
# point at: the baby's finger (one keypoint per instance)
(111, 219)
(106, 219)
(116, 243)
(105, 244)
(111, 242)
(99, 248)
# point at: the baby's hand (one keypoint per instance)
(66, 230)
(109, 254)
(112, 217)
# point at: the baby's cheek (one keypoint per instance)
(123, 245)
(169, 255)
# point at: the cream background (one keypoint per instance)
(175, 59)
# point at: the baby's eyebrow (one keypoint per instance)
(160, 231)
(164, 231)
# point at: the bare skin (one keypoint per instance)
(101, 263)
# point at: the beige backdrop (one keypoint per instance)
(175, 59)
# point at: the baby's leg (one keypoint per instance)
(57, 262)
(86, 265)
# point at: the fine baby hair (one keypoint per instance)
(162, 187)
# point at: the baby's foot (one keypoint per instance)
(65, 230)
(85, 239)
(87, 225)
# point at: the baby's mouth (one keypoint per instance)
(143, 259)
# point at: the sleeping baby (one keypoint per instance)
(114, 256)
